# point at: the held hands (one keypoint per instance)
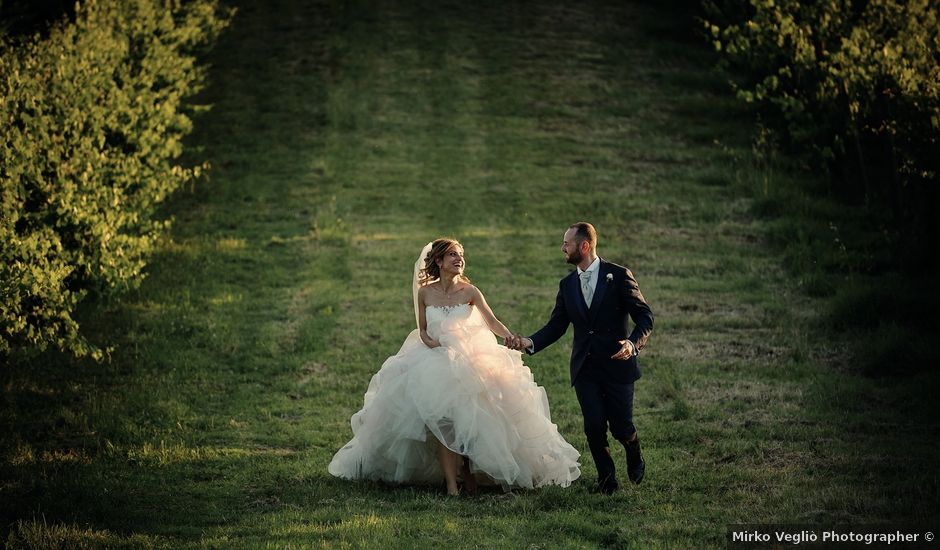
(518, 342)
(626, 351)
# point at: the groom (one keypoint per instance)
(597, 298)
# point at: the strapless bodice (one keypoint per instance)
(443, 319)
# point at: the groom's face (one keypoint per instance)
(571, 247)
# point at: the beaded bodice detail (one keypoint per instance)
(446, 310)
(443, 319)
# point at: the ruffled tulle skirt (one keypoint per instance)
(471, 394)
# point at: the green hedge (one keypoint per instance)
(92, 119)
(854, 84)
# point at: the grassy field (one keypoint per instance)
(346, 135)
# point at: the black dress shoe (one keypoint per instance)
(607, 486)
(636, 468)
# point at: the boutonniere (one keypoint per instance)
(610, 277)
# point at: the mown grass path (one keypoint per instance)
(344, 136)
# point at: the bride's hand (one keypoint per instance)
(428, 341)
(518, 342)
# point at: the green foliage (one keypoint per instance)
(857, 83)
(91, 127)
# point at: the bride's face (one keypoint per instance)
(452, 263)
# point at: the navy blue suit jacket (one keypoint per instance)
(599, 329)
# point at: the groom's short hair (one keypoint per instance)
(585, 232)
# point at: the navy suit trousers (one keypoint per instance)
(604, 404)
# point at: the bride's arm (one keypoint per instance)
(492, 322)
(423, 322)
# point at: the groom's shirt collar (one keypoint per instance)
(593, 267)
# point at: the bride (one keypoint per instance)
(453, 399)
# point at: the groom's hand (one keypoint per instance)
(626, 351)
(522, 343)
(526, 343)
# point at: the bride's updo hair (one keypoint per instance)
(431, 271)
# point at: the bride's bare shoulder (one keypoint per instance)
(473, 291)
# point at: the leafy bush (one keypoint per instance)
(18, 17)
(91, 125)
(854, 83)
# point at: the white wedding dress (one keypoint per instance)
(472, 394)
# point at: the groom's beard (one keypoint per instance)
(575, 258)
